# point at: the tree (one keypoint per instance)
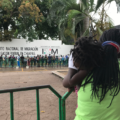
(102, 24)
(86, 19)
(96, 26)
(17, 18)
(44, 30)
(75, 20)
(69, 17)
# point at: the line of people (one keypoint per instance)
(33, 61)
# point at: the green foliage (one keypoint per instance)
(26, 20)
(16, 17)
(103, 23)
(99, 3)
(85, 2)
(6, 5)
(86, 33)
(44, 30)
(69, 17)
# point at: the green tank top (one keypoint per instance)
(89, 109)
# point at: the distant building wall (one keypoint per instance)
(37, 47)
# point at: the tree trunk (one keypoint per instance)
(102, 16)
(6, 32)
(80, 3)
(59, 36)
(86, 20)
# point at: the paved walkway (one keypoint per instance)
(25, 102)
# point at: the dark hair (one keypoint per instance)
(105, 74)
(111, 35)
(88, 52)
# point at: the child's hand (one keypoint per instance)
(71, 89)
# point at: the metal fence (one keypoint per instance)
(62, 111)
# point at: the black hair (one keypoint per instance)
(105, 75)
(88, 52)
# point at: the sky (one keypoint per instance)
(112, 12)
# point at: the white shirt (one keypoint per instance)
(70, 64)
(60, 58)
(18, 57)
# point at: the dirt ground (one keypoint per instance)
(25, 102)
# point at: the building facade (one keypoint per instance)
(37, 47)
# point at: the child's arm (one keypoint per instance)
(70, 74)
(72, 69)
(73, 78)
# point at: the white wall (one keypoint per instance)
(37, 47)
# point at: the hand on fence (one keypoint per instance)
(71, 89)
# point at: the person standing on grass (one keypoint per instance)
(5, 60)
(49, 60)
(22, 60)
(53, 60)
(56, 60)
(9, 59)
(12, 60)
(18, 61)
(63, 60)
(31, 61)
(46, 60)
(97, 76)
(25, 61)
(1, 59)
(42, 60)
(28, 61)
(35, 59)
(66, 61)
(38, 61)
(60, 59)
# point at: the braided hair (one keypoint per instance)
(88, 52)
(105, 75)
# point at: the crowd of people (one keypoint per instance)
(33, 61)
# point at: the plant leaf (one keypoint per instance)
(86, 33)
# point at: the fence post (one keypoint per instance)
(63, 109)
(37, 104)
(60, 117)
(11, 106)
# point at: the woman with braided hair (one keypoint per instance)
(94, 68)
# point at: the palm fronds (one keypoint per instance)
(68, 16)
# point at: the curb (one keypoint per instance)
(57, 73)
